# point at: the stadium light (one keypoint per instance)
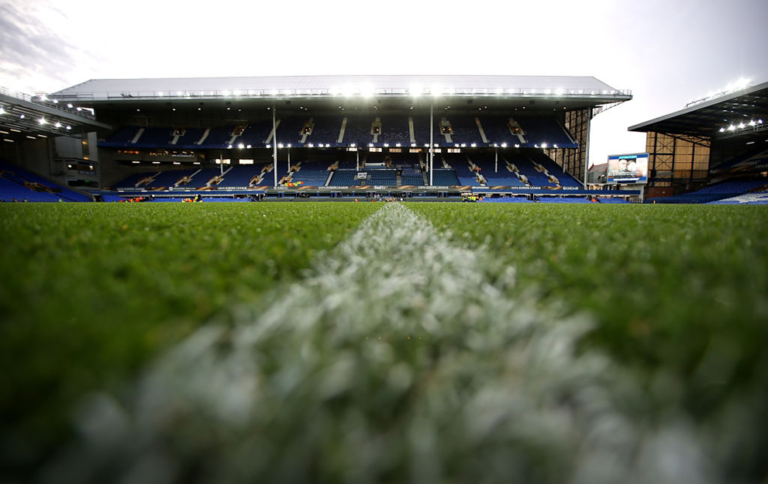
(559, 91)
(353, 145)
(435, 90)
(415, 90)
(160, 94)
(274, 92)
(311, 145)
(241, 146)
(722, 130)
(499, 90)
(517, 146)
(226, 93)
(2, 111)
(397, 145)
(367, 91)
(80, 109)
(741, 125)
(69, 105)
(503, 145)
(413, 145)
(555, 146)
(69, 127)
(348, 90)
(268, 146)
(473, 145)
(249, 147)
(289, 145)
(55, 101)
(236, 92)
(759, 121)
(544, 145)
(731, 128)
(58, 125)
(370, 145)
(327, 145)
(280, 145)
(386, 145)
(21, 116)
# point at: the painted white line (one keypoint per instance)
(399, 357)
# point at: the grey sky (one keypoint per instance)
(668, 52)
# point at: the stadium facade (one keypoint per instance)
(525, 133)
(722, 138)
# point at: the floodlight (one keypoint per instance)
(226, 93)
(160, 94)
(58, 125)
(741, 125)
(397, 145)
(280, 145)
(435, 90)
(327, 145)
(348, 90)
(499, 91)
(370, 145)
(55, 101)
(274, 92)
(413, 145)
(473, 145)
(517, 146)
(415, 90)
(386, 145)
(495, 145)
(69, 105)
(268, 146)
(289, 145)
(80, 109)
(236, 92)
(21, 116)
(241, 146)
(503, 145)
(555, 146)
(311, 145)
(731, 128)
(43, 97)
(366, 90)
(543, 145)
(249, 147)
(69, 127)
(759, 121)
(352, 145)
(752, 123)
(2, 111)
(722, 130)
(559, 91)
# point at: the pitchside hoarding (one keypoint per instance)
(628, 169)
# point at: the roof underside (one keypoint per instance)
(538, 87)
(747, 108)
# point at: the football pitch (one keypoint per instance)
(384, 342)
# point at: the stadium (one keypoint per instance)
(580, 321)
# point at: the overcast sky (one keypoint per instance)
(668, 52)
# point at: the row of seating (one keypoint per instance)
(18, 185)
(719, 191)
(358, 130)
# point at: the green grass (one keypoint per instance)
(680, 288)
(91, 291)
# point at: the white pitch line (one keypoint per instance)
(399, 355)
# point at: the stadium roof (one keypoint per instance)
(282, 87)
(734, 114)
(23, 116)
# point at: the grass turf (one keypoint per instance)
(679, 289)
(91, 291)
